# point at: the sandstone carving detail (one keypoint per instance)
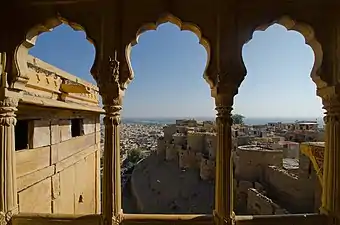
(7, 111)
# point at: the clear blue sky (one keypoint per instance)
(169, 63)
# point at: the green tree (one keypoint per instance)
(237, 119)
(134, 155)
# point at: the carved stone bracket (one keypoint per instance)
(225, 90)
(114, 66)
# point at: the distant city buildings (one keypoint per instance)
(271, 174)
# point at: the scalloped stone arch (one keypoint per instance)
(23, 48)
(308, 33)
(182, 26)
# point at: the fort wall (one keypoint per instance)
(195, 141)
(289, 190)
(179, 139)
(207, 169)
(161, 147)
(211, 144)
(250, 161)
(183, 161)
(171, 152)
(51, 165)
(169, 130)
(259, 204)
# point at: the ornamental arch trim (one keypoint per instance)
(308, 33)
(23, 48)
(183, 26)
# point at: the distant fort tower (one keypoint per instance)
(192, 143)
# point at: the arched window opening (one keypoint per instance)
(169, 89)
(278, 100)
(59, 122)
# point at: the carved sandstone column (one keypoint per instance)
(8, 188)
(331, 166)
(223, 185)
(112, 207)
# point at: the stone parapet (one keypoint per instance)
(49, 82)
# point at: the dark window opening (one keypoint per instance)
(77, 127)
(22, 135)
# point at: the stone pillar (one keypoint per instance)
(331, 166)
(224, 179)
(112, 207)
(8, 188)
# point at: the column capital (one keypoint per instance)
(331, 101)
(8, 107)
(112, 114)
(113, 106)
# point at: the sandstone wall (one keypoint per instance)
(195, 141)
(207, 169)
(211, 144)
(171, 152)
(179, 139)
(60, 174)
(183, 159)
(259, 204)
(169, 130)
(249, 164)
(161, 147)
(293, 193)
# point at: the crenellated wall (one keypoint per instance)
(59, 173)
